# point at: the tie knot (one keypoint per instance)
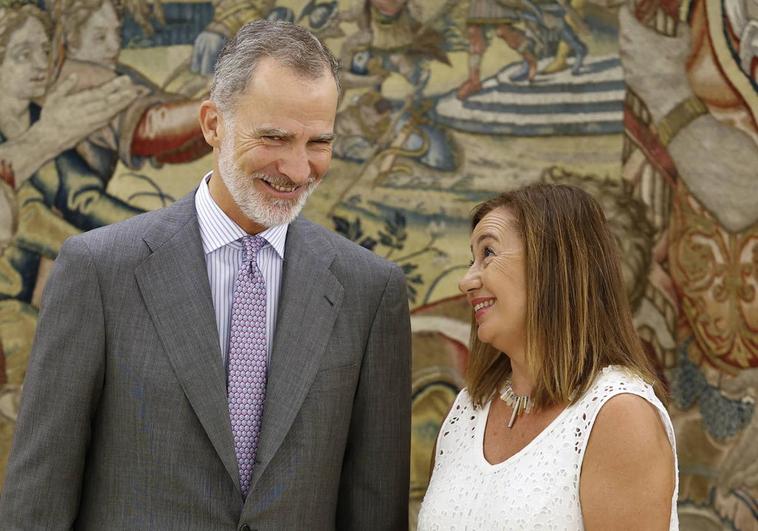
(251, 245)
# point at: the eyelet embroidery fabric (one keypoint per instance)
(538, 487)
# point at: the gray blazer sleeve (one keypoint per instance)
(61, 391)
(375, 475)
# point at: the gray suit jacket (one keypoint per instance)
(124, 421)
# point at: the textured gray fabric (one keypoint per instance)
(124, 421)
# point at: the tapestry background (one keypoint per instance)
(650, 105)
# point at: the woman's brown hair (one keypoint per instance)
(578, 319)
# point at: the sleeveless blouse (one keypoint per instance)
(536, 488)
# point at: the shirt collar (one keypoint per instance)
(217, 229)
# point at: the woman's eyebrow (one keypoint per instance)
(484, 236)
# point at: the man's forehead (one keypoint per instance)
(273, 80)
(25, 40)
(281, 120)
(104, 17)
(31, 31)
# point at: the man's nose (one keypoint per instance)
(39, 60)
(296, 165)
(113, 43)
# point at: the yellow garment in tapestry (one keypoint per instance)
(716, 272)
(40, 230)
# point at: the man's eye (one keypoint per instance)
(488, 252)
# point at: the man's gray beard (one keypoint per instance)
(256, 205)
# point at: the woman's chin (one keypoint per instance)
(483, 336)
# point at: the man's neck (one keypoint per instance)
(15, 120)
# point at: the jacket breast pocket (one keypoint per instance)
(335, 379)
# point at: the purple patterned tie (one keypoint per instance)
(247, 359)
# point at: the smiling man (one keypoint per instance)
(223, 364)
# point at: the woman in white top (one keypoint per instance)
(561, 425)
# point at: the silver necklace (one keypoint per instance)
(519, 403)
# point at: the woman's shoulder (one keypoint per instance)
(463, 401)
(622, 404)
(629, 416)
(614, 380)
(463, 411)
(628, 406)
(629, 424)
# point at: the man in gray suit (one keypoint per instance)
(222, 364)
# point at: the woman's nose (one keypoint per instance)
(470, 281)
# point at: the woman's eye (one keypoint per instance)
(488, 252)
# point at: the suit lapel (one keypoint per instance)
(310, 300)
(173, 281)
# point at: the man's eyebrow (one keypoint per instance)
(272, 131)
(325, 137)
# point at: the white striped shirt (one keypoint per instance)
(223, 257)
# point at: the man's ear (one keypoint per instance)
(210, 123)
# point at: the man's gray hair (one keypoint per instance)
(289, 44)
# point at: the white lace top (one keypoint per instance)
(538, 487)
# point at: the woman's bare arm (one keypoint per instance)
(627, 478)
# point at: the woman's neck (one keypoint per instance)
(521, 382)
